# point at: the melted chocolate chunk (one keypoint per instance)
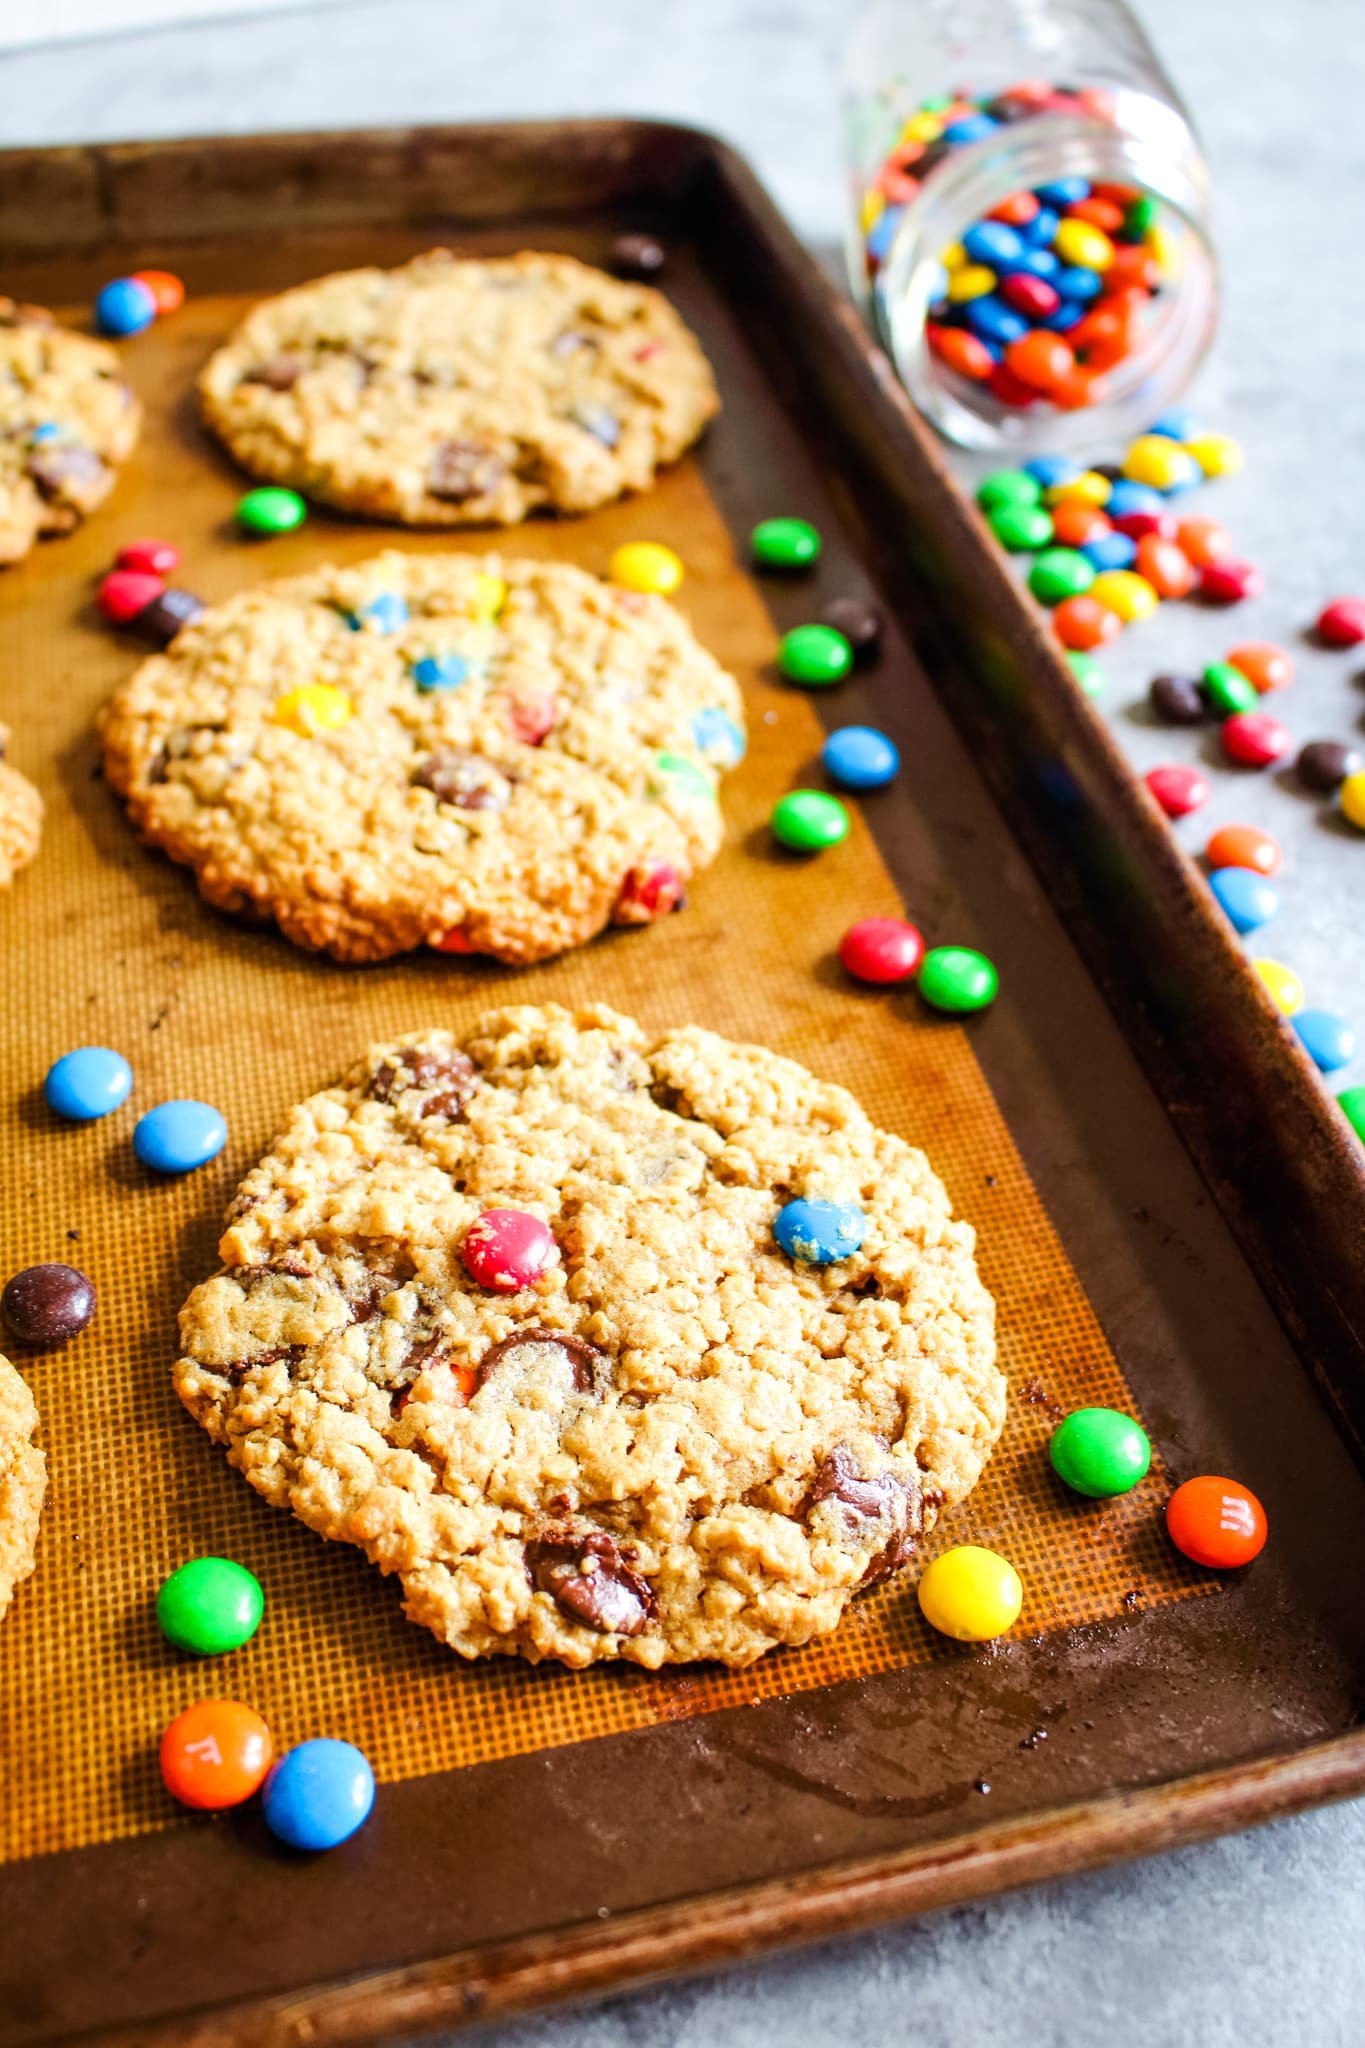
(587, 1365)
(65, 471)
(281, 373)
(449, 1076)
(589, 1579)
(468, 781)
(163, 618)
(886, 1499)
(240, 1367)
(464, 469)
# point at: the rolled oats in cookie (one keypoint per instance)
(461, 391)
(67, 419)
(21, 817)
(23, 1482)
(456, 751)
(672, 1441)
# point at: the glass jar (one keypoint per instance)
(1018, 114)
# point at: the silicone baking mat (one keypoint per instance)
(106, 942)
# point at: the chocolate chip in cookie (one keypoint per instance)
(590, 1581)
(468, 781)
(461, 470)
(886, 1501)
(449, 1078)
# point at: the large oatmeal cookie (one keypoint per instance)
(457, 392)
(675, 1443)
(490, 756)
(66, 419)
(23, 1482)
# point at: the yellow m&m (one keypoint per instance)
(1077, 242)
(645, 565)
(1351, 797)
(1216, 454)
(315, 708)
(490, 595)
(1163, 464)
(971, 1594)
(1089, 488)
(1124, 592)
(1282, 985)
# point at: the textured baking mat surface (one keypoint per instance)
(105, 942)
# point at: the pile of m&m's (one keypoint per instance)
(860, 759)
(1044, 297)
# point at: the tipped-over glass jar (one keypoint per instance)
(1029, 227)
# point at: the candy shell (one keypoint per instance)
(508, 1249)
(881, 950)
(1342, 622)
(859, 757)
(1216, 1522)
(1216, 454)
(1178, 790)
(646, 565)
(215, 1754)
(814, 656)
(1264, 665)
(88, 1083)
(1074, 523)
(1281, 984)
(785, 544)
(819, 1233)
(47, 1305)
(966, 353)
(124, 306)
(1351, 1103)
(1169, 571)
(318, 1794)
(958, 979)
(971, 1594)
(1089, 488)
(1351, 797)
(1204, 541)
(1130, 595)
(1246, 898)
(1059, 573)
(177, 1137)
(1329, 1040)
(1087, 670)
(1007, 487)
(1177, 700)
(1081, 623)
(1021, 528)
(1325, 764)
(1100, 1452)
(717, 736)
(1243, 846)
(809, 821)
(1253, 739)
(1228, 582)
(1163, 464)
(149, 557)
(209, 1606)
(167, 290)
(1226, 689)
(1110, 551)
(312, 709)
(124, 593)
(270, 509)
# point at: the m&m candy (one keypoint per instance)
(1264, 665)
(1178, 789)
(971, 1594)
(215, 1754)
(270, 509)
(46, 1306)
(718, 736)
(167, 290)
(1100, 1452)
(1351, 797)
(508, 1249)
(1177, 700)
(149, 557)
(881, 949)
(958, 979)
(1164, 565)
(1281, 984)
(88, 1083)
(1203, 541)
(318, 1794)
(1228, 582)
(646, 565)
(431, 672)
(177, 1137)
(859, 757)
(1329, 1040)
(209, 1606)
(1022, 527)
(1325, 764)
(1226, 689)
(1351, 1103)
(1216, 1522)
(808, 821)
(785, 544)
(313, 708)
(819, 1233)
(814, 656)
(1253, 739)
(1342, 622)
(1243, 846)
(858, 620)
(1125, 592)
(125, 306)
(123, 593)
(1059, 573)
(1246, 898)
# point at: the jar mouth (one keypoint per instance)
(1149, 146)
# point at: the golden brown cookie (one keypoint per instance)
(623, 1423)
(23, 1482)
(457, 392)
(21, 817)
(66, 419)
(455, 751)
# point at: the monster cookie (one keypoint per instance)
(518, 1313)
(21, 817)
(486, 756)
(460, 392)
(23, 1482)
(66, 419)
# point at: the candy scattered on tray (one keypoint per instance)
(215, 1755)
(317, 1795)
(46, 1306)
(209, 1606)
(971, 1594)
(1216, 1522)
(177, 1137)
(87, 1083)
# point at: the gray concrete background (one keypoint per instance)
(1252, 1941)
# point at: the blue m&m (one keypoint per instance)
(88, 1083)
(318, 1794)
(440, 672)
(175, 1137)
(860, 757)
(819, 1233)
(125, 306)
(1329, 1040)
(1247, 900)
(387, 613)
(718, 736)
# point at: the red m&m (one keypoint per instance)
(1342, 622)
(882, 949)
(1228, 582)
(1253, 739)
(1216, 1522)
(126, 592)
(150, 557)
(1178, 790)
(507, 1249)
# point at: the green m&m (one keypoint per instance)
(807, 821)
(1019, 527)
(682, 777)
(1060, 573)
(815, 656)
(1100, 1452)
(1226, 690)
(1008, 487)
(210, 1605)
(1351, 1103)
(1086, 670)
(958, 978)
(271, 509)
(784, 544)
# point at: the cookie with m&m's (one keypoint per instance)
(465, 752)
(67, 419)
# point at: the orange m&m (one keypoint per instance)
(1262, 663)
(165, 287)
(1204, 541)
(215, 1754)
(1216, 1522)
(1243, 846)
(1083, 623)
